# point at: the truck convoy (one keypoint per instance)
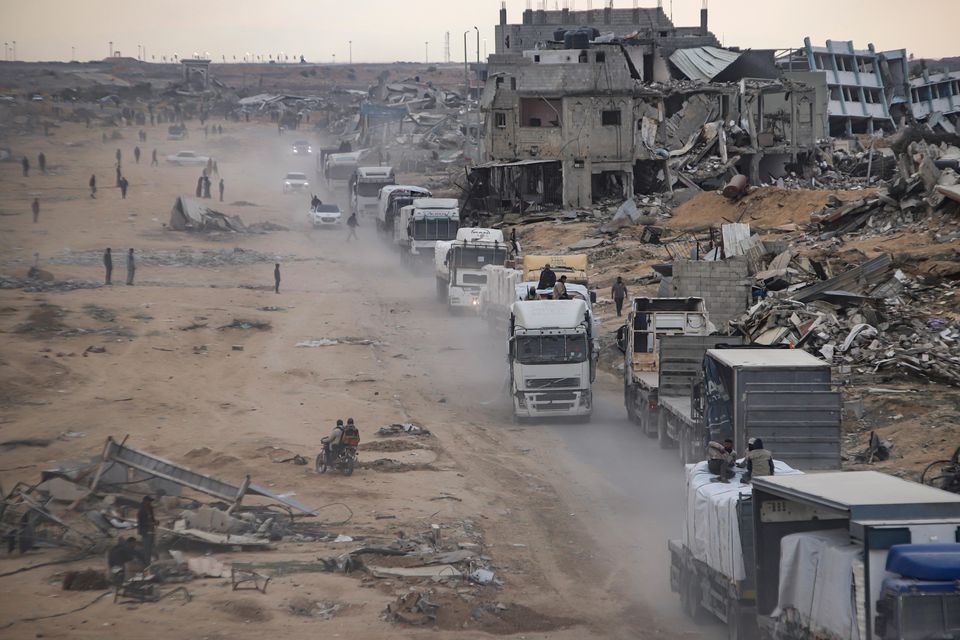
(391, 199)
(835, 556)
(421, 224)
(649, 320)
(460, 265)
(365, 186)
(552, 359)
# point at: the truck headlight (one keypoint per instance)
(286, 184)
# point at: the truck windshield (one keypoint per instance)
(551, 349)
(476, 257)
(370, 189)
(435, 229)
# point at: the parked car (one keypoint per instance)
(187, 159)
(295, 181)
(302, 148)
(325, 215)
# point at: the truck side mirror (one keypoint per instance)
(622, 338)
(510, 348)
(593, 297)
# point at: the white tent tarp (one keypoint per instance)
(711, 528)
(817, 582)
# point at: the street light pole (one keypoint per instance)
(110, 54)
(350, 42)
(426, 52)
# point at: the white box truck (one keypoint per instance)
(392, 198)
(460, 263)
(365, 186)
(421, 224)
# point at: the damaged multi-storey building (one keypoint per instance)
(571, 120)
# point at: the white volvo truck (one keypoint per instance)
(421, 224)
(460, 263)
(552, 359)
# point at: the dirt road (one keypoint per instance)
(575, 518)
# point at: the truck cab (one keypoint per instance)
(422, 224)
(392, 199)
(365, 186)
(650, 320)
(552, 359)
(460, 265)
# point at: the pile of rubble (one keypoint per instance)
(865, 319)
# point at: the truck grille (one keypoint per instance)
(552, 383)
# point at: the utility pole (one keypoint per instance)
(350, 42)
(426, 52)
(73, 53)
(466, 86)
(446, 47)
(110, 55)
(14, 50)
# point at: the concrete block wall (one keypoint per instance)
(724, 286)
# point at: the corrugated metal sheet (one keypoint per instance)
(703, 63)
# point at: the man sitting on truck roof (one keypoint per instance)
(547, 278)
(720, 460)
(758, 460)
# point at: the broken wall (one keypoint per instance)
(723, 285)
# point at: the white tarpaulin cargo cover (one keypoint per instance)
(817, 582)
(711, 528)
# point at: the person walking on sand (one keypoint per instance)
(42, 163)
(206, 187)
(93, 186)
(119, 175)
(131, 267)
(136, 155)
(119, 156)
(276, 278)
(619, 292)
(108, 266)
(153, 159)
(200, 186)
(221, 189)
(26, 166)
(353, 224)
(36, 210)
(123, 188)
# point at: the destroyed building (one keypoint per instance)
(582, 119)
(935, 99)
(649, 33)
(868, 88)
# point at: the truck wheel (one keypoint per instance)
(631, 408)
(663, 439)
(691, 603)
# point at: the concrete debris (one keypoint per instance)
(405, 428)
(329, 342)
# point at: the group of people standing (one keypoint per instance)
(108, 266)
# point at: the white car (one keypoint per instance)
(187, 159)
(295, 181)
(326, 215)
(302, 148)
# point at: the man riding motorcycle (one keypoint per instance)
(331, 443)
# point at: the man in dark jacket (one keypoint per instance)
(93, 186)
(618, 292)
(35, 207)
(108, 265)
(276, 278)
(147, 527)
(547, 278)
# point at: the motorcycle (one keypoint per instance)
(344, 462)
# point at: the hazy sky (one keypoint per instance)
(386, 30)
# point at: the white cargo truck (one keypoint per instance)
(365, 186)
(421, 224)
(460, 263)
(391, 199)
(552, 359)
